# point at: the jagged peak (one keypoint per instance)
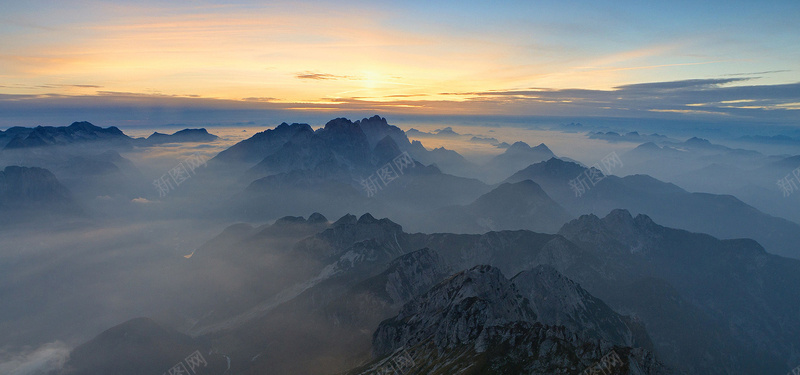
(618, 226)
(365, 219)
(375, 119)
(340, 123)
(285, 126)
(88, 126)
(83, 125)
(584, 221)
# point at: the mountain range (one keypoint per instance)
(500, 268)
(665, 300)
(724, 216)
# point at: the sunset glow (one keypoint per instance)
(418, 55)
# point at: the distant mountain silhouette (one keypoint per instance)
(723, 216)
(510, 206)
(12, 133)
(181, 136)
(621, 283)
(78, 132)
(141, 346)
(514, 158)
(261, 145)
(28, 194)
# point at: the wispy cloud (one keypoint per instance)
(322, 76)
(757, 73)
(683, 84)
(716, 98)
(261, 99)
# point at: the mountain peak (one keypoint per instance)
(553, 167)
(619, 217)
(618, 227)
(119, 350)
(286, 220)
(648, 146)
(698, 141)
(347, 219)
(83, 125)
(377, 129)
(522, 190)
(542, 147)
(454, 312)
(558, 300)
(340, 123)
(316, 218)
(367, 226)
(519, 146)
(367, 219)
(373, 121)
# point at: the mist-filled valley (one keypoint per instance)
(355, 246)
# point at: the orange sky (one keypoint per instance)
(401, 56)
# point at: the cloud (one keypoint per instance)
(321, 76)
(674, 85)
(757, 73)
(260, 99)
(405, 95)
(52, 85)
(717, 97)
(726, 99)
(141, 200)
(40, 361)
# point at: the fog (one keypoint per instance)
(117, 247)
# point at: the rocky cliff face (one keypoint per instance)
(723, 295)
(559, 301)
(477, 321)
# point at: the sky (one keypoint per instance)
(722, 60)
